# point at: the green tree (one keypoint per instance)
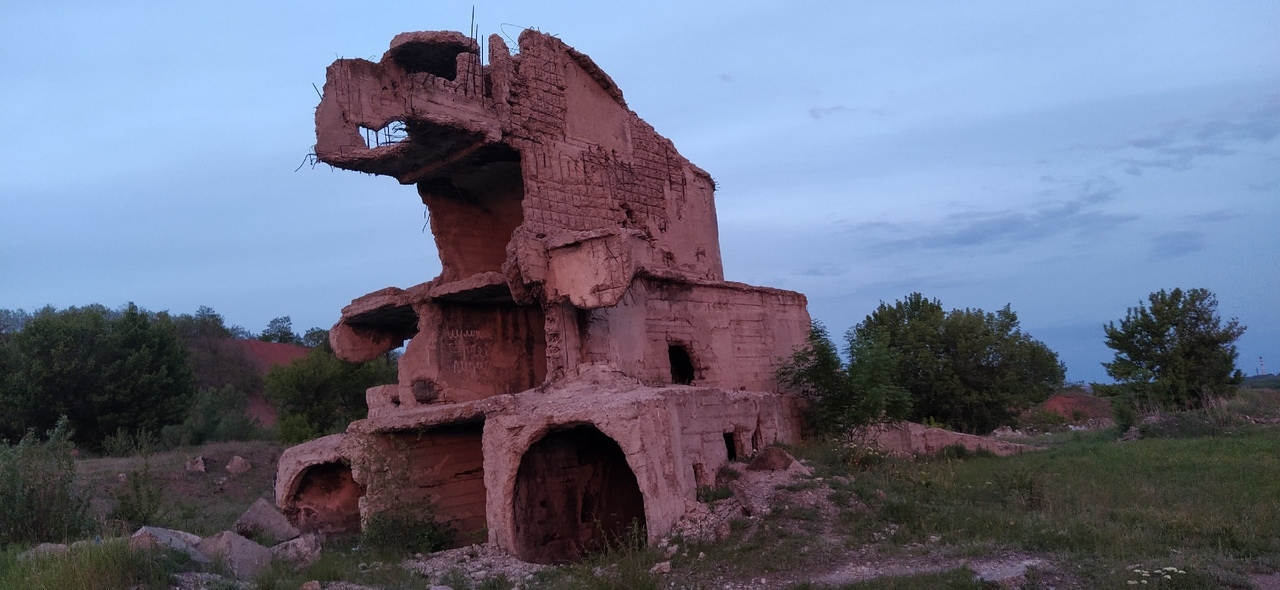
(844, 396)
(217, 361)
(105, 370)
(316, 338)
(1177, 352)
(968, 369)
(280, 330)
(323, 390)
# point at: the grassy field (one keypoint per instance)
(1194, 504)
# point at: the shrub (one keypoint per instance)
(215, 415)
(294, 429)
(38, 498)
(138, 497)
(1123, 412)
(401, 531)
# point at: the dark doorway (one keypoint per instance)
(681, 364)
(327, 500)
(575, 494)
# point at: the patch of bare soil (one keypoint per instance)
(203, 503)
(757, 494)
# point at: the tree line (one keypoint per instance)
(173, 380)
(973, 371)
(128, 374)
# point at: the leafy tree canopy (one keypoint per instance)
(967, 369)
(1175, 352)
(323, 390)
(280, 330)
(103, 369)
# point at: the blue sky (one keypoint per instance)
(1066, 158)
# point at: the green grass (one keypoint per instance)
(1210, 504)
(104, 566)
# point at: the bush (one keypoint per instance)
(138, 498)
(216, 415)
(294, 429)
(401, 531)
(1123, 413)
(38, 498)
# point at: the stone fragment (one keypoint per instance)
(238, 465)
(752, 504)
(661, 568)
(243, 557)
(196, 464)
(771, 459)
(262, 518)
(150, 537)
(312, 585)
(301, 551)
(43, 550)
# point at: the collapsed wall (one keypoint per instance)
(579, 367)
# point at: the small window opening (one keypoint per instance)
(438, 59)
(730, 447)
(390, 134)
(681, 365)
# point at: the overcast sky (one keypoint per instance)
(1065, 158)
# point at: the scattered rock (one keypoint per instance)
(754, 504)
(771, 459)
(661, 568)
(204, 581)
(301, 552)
(477, 562)
(245, 558)
(263, 519)
(43, 550)
(150, 537)
(1003, 573)
(238, 465)
(312, 585)
(196, 464)
(1131, 434)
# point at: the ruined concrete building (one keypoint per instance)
(580, 366)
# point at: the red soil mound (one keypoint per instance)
(1078, 407)
(266, 355)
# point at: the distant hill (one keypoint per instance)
(265, 356)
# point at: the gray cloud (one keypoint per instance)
(1081, 214)
(1182, 145)
(1177, 243)
(817, 113)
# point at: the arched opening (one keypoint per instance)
(574, 494)
(682, 371)
(327, 500)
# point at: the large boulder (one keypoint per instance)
(243, 557)
(150, 537)
(301, 552)
(262, 519)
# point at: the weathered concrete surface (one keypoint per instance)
(580, 363)
(262, 518)
(243, 557)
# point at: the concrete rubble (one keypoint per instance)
(262, 519)
(580, 367)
